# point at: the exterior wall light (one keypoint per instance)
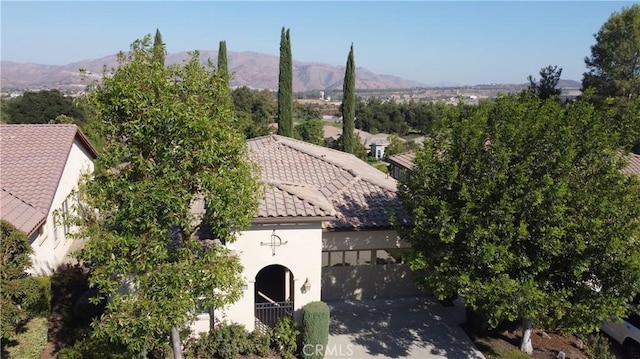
(306, 287)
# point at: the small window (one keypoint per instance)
(383, 257)
(351, 258)
(65, 216)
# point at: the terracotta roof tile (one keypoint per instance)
(404, 159)
(633, 167)
(315, 181)
(32, 158)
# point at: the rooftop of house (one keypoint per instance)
(305, 180)
(32, 159)
(633, 167)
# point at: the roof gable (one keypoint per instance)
(33, 158)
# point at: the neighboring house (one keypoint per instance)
(322, 232)
(40, 166)
(401, 164)
(634, 165)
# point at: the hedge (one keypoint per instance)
(315, 330)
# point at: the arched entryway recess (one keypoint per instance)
(273, 295)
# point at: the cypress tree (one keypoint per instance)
(158, 47)
(222, 60)
(285, 87)
(348, 106)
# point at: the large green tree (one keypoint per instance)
(348, 105)
(522, 208)
(255, 110)
(311, 131)
(614, 64)
(285, 86)
(162, 158)
(547, 86)
(222, 59)
(42, 107)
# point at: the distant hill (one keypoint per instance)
(251, 69)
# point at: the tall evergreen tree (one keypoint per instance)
(285, 87)
(158, 47)
(222, 60)
(348, 106)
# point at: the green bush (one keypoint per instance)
(89, 347)
(226, 342)
(315, 329)
(39, 304)
(284, 338)
(260, 344)
(598, 347)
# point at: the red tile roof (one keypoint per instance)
(306, 180)
(32, 158)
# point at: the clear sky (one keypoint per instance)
(430, 42)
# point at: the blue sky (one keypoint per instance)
(430, 42)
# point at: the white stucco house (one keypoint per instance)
(40, 166)
(322, 232)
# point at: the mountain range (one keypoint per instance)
(252, 69)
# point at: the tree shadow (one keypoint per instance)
(401, 327)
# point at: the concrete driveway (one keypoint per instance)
(412, 327)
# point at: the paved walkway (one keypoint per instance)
(412, 327)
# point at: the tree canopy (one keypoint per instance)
(547, 86)
(311, 131)
(42, 107)
(170, 148)
(522, 208)
(222, 59)
(614, 64)
(285, 86)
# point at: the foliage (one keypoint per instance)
(42, 107)
(284, 338)
(285, 86)
(311, 131)
(228, 341)
(254, 110)
(159, 51)
(614, 69)
(347, 140)
(547, 86)
(87, 346)
(315, 329)
(306, 111)
(222, 60)
(396, 145)
(170, 145)
(598, 347)
(522, 208)
(359, 150)
(18, 289)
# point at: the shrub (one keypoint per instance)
(598, 347)
(39, 304)
(284, 337)
(226, 342)
(260, 344)
(315, 329)
(88, 347)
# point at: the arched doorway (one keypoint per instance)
(273, 295)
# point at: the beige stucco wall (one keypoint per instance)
(301, 255)
(47, 252)
(365, 281)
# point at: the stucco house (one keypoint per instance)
(322, 232)
(40, 166)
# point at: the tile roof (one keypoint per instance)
(633, 167)
(404, 159)
(306, 180)
(32, 158)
